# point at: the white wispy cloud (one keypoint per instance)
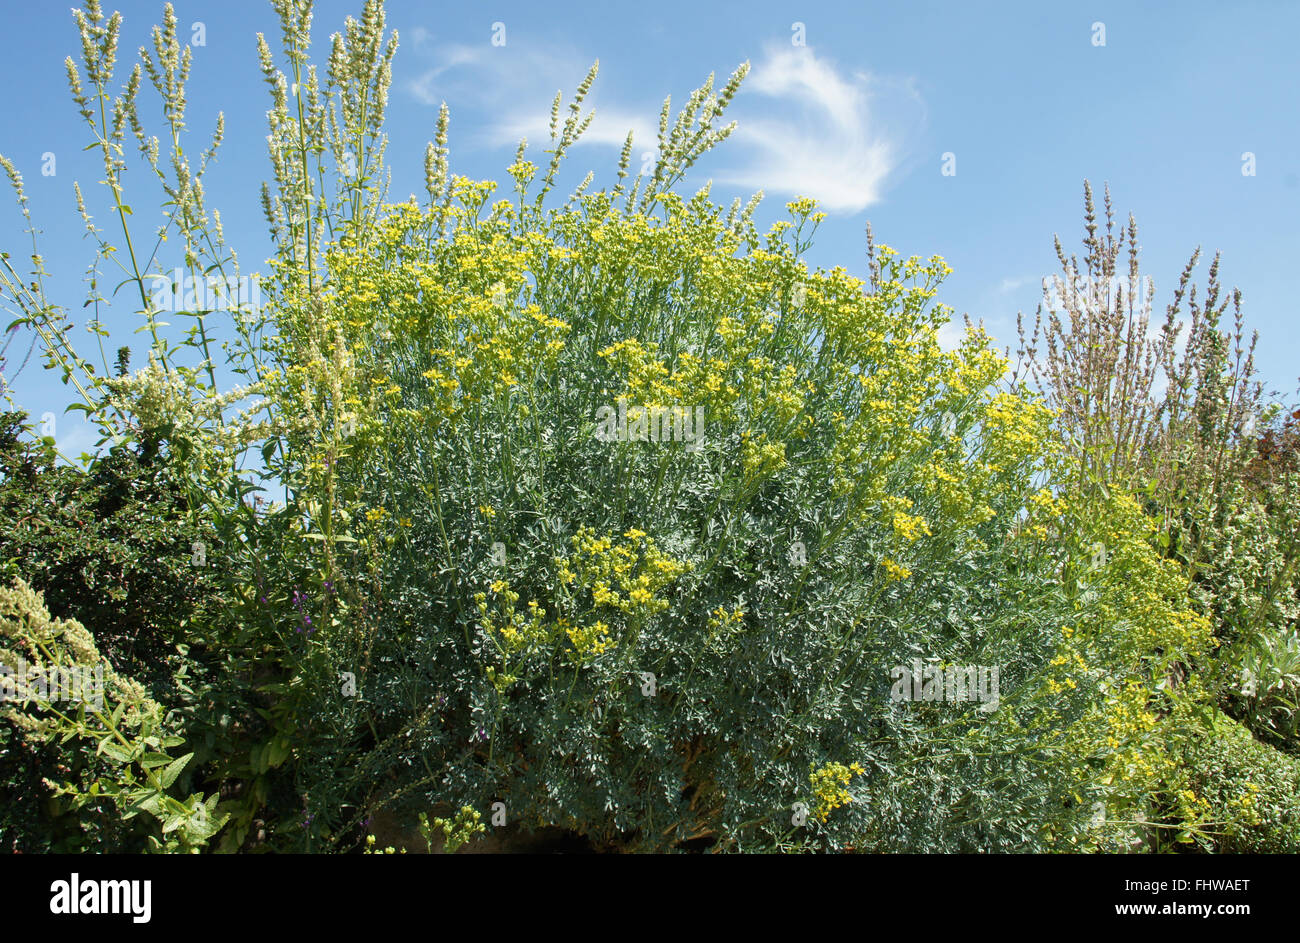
(426, 87)
(513, 88)
(951, 335)
(804, 126)
(1015, 283)
(832, 135)
(608, 127)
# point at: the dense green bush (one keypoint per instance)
(112, 547)
(107, 780)
(1249, 583)
(1253, 789)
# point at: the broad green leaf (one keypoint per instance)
(171, 772)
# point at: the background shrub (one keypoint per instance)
(1254, 790)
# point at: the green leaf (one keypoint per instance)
(115, 750)
(278, 752)
(171, 772)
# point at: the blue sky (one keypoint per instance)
(859, 117)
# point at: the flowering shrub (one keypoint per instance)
(648, 642)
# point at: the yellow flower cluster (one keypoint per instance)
(760, 457)
(623, 575)
(1247, 807)
(1043, 509)
(1015, 430)
(909, 527)
(893, 571)
(469, 306)
(736, 384)
(724, 624)
(1074, 660)
(515, 634)
(589, 641)
(830, 786)
(1191, 807)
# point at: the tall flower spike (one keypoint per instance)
(435, 159)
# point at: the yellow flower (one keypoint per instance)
(829, 786)
(909, 527)
(895, 572)
(593, 640)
